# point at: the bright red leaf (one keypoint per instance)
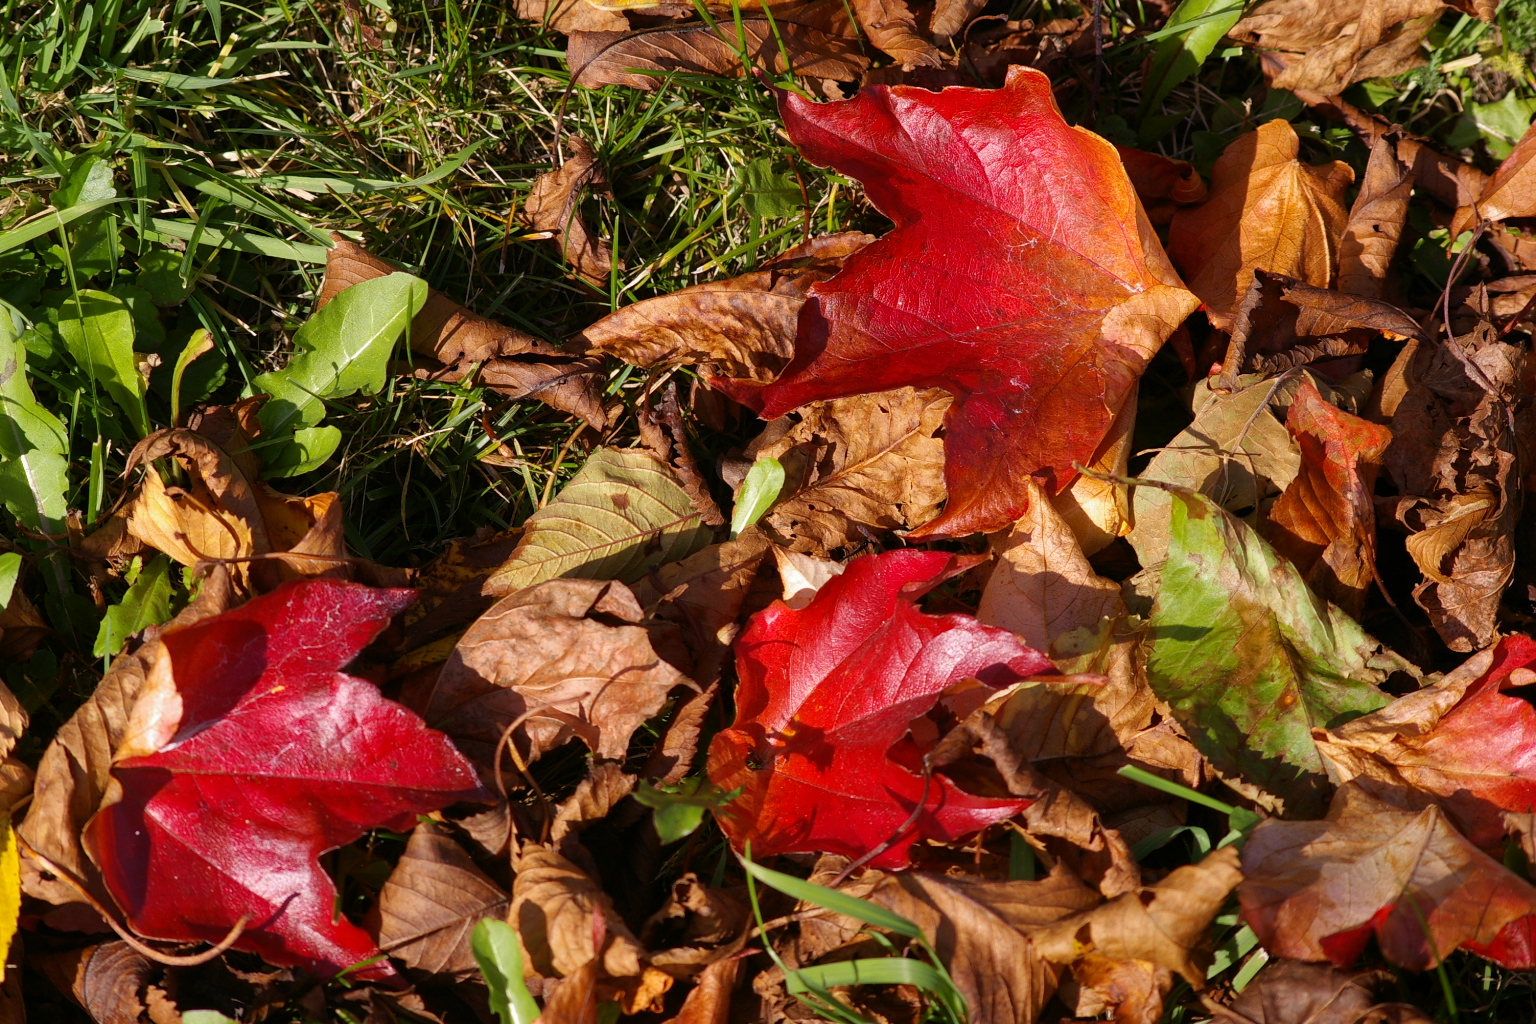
(278, 757)
(823, 745)
(1022, 276)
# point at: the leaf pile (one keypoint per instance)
(890, 674)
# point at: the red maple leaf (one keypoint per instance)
(823, 747)
(1022, 276)
(277, 758)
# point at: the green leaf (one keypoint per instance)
(831, 899)
(341, 350)
(205, 1017)
(679, 810)
(98, 330)
(10, 571)
(1191, 33)
(767, 193)
(496, 950)
(147, 603)
(199, 344)
(50, 220)
(304, 452)
(884, 971)
(34, 473)
(1250, 660)
(757, 494)
(621, 515)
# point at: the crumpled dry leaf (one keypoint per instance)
(1325, 522)
(431, 903)
(1164, 924)
(1318, 890)
(1376, 220)
(566, 922)
(74, 773)
(1131, 990)
(980, 930)
(1459, 472)
(1267, 210)
(641, 60)
(571, 16)
(709, 1001)
(1279, 311)
(554, 205)
(1162, 184)
(1292, 992)
(564, 659)
(856, 467)
(109, 981)
(742, 328)
(891, 26)
(1327, 45)
(517, 363)
(1459, 742)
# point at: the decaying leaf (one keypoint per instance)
(643, 59)
(109, 981)
(1511, 192)
(1131, 991)
(564, 659)
(1459, 469)
(566, 922)
(1319, 890)
(1163, 185)
(623, 513)
(978, 290)
(856, 467)
(1287, 991)
(1376, 220)
(742, 328)
(981, 930)
(571, 16)
(431, 903)
(1459, 743)
(1326, 45)
(891, 26)
(1267, 211)
(824, 704)
(1325, 521)
(1249, 659)
(554, 205)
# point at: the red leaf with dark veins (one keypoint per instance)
(277, 758)
(821, 744)
(1022, 276)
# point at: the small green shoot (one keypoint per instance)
(679, 809)
(1240, 820)
(758, 493)
(500, 957)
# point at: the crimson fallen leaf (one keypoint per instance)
(263, 755)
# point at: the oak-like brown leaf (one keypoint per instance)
(856, 467)
(431, 903)
(1268, 211)
(565, 659)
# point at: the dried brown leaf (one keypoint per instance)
(856, 467)
(554, 205)
(1291, 992)
(431, 903)
(1375, 221)
(1268, 211)
(1131, 990)
(564, 659)
(109, 981)
(1326, 45)
(571, 16)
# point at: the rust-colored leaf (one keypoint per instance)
(1326, 45)
(1325, 521)
(554, 205)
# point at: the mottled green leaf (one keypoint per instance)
(622, 514)
(98, 330)
(34, 472)
(341, 350)
(1250, 660)
(147, 603)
